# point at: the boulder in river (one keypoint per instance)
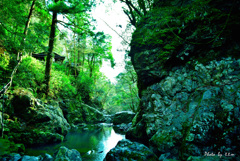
(123, 117)
(65, 154)
(31, 158)
(127, 150)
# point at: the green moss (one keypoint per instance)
(7, 147)
(170, 28)
(169, 47)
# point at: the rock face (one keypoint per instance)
(65, 154)
(127, 150)
(181, 31)
(39, 123)
(188, 71)
(192, 111)
(123, 117)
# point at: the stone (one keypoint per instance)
(127, 150)
(65, 154)
(122, 128)
(123, 117)
(12, 157)
(47, 157)
(31, 158)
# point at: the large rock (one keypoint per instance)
(65, 154)
(185, 54)
(181, 31)
(195, 109)
(39, 123)
(123, 117)
(127, 150)
(31, 158)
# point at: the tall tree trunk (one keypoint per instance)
(91, 65)
(74, 55)
(83, 60)
(29, 19)
(26, 27)
(50, 54)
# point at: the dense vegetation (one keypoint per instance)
(25, 29)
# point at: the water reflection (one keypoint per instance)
(93, 142)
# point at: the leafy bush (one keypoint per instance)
(30, 75)
(4, 61)
(84, 86)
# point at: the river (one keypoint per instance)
(93, 142)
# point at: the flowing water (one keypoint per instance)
(93, 142)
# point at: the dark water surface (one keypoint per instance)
(93, 142)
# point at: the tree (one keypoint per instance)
(29, 18)
(63, 7)
(50, 54)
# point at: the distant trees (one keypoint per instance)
(127, 86)
(122, 96)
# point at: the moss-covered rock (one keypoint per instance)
(123, 117)
(181, 31)
(65, 154)
(127, 150)
(33, 122)
(34, 137)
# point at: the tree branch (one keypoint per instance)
(129, 17)
(129, 3)
(65, 24)
(115, 31)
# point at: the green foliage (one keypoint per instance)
(30, 76)
(61, 84)
(4, 64)
(4, 61)
(84, 85)
(7, 147)
(12, 24)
